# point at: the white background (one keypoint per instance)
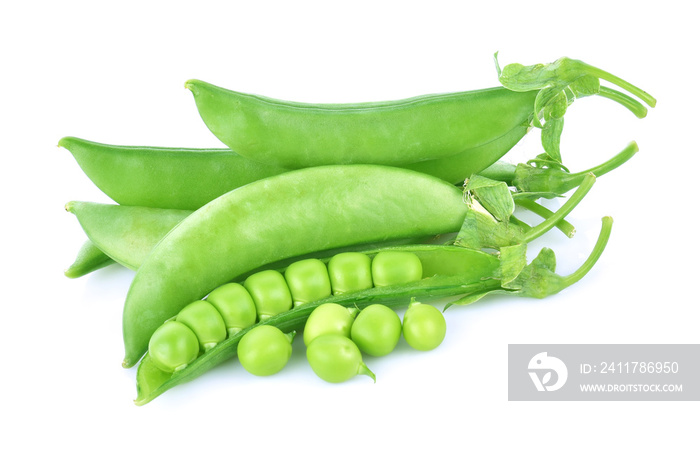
(115, 74)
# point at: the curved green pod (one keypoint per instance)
(287, 215)
(88, 259)
(294, 135)
(168, 178)
(448, 271)
(129, 233)
(126, 234)
(188, 178)
(482, 160)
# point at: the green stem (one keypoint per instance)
(500, 171)
(607, 76)
(363, 370)
(534, 207)
(563, 211)
(594, 256)
(613, 163)
(520, 223)
(632, 104)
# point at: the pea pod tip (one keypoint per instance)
(191, 85)
(64, 142)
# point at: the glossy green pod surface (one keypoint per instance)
(188, 178)
(88, 259)
(126, 234)
(168, 178)
(294, 135)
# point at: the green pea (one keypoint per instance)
(235, 305)
(335, 358)
(376, 330)
(308, 281)
(205, 321)
(173, 346)
(270, 293)
(350, 272)
(329, 318)
(393, 268)
(424, 326)
(265, 350)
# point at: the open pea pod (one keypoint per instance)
(448, 271)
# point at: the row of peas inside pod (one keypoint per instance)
(335, 335)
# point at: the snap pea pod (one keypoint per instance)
(89, 258)
(287, 215)
(293, 134)
(430, 127)
(177, 178)
(126, 234)
(168, 178)
(109, 228)
(448, 271)
(188, 178)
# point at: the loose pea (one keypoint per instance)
(235, 305)
(270, 293)
(350, 272)
(265, 350)
(205, 321)
(173, 346)
(335, 358)
(329, 318)
(392, 268)
(376, 330)
(308, 281)
(424, 326)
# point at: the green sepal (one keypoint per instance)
(513, 261)
(481, 230)
(551, 138)
(489, 221)
(541, 176)
(493, 195)
(586, 85)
